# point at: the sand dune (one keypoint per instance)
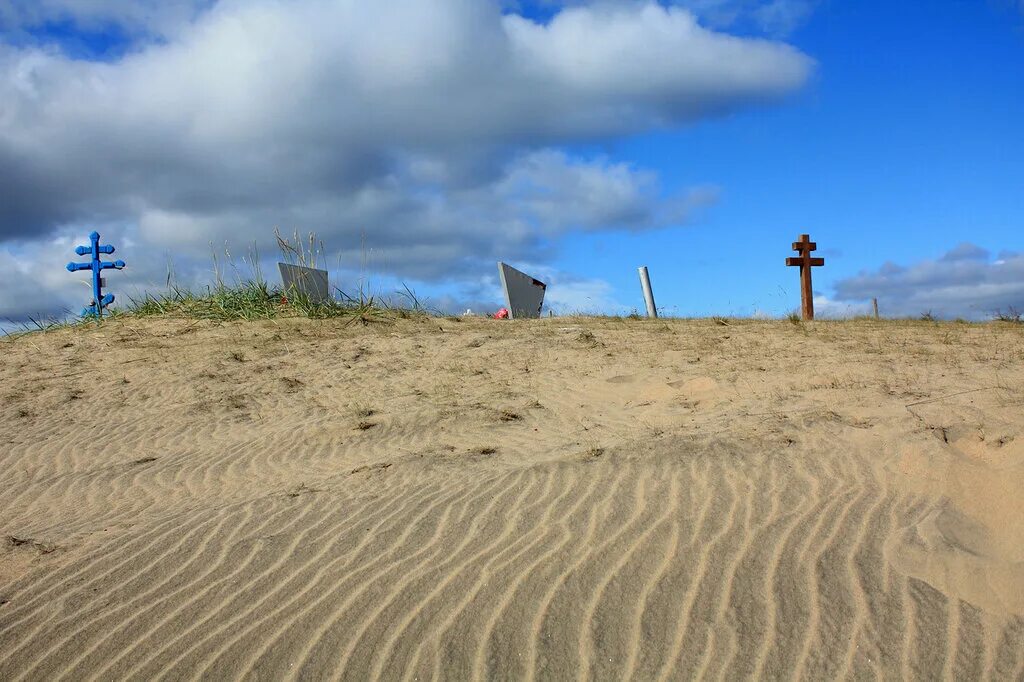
(558, 499)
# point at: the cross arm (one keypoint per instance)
(810, 261)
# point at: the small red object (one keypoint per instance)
(502, 314)
(284, 300)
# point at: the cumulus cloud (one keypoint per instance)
(773, 17)
(965, 282)
(435, 133)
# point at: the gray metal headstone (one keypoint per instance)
(308, 281)
(523, 294)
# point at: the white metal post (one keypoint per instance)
(645, 283)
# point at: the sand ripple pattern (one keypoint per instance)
(678, 566)
(464, 499)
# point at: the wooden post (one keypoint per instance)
(874, 305)
(804, 247)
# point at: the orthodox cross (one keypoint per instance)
(99, 301)
(804, 248)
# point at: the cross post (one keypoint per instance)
(97, 266)
(804, 247)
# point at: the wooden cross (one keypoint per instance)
(804, 247)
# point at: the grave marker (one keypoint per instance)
(524, 295)
(99, 301)
(645, 284)
(309, 282)
(804, 248)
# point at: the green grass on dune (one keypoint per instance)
(258, 300)
(246, 300)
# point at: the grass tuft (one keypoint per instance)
(587, 338)
(258, 300)
(1012, 315)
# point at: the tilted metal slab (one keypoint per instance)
(306, 281)
(523, 294)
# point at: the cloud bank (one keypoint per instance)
(436, 133)
(965, 282)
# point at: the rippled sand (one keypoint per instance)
(564, 498)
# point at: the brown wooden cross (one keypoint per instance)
(804, 247)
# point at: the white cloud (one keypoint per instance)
(772, 17)
(828, 308)
(433, 132)
(965, 282)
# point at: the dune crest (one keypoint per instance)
(477, 499)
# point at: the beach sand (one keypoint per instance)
(553, 499)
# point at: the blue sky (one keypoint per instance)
(888, 131)
(906, 143)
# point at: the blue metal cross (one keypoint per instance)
(99, 301)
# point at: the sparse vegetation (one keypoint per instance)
(236, 402)
(305, 251)
(362, 411)
(380, 466)
(1012, 315)
(291, 384)
(38, 545)
(256, 300)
